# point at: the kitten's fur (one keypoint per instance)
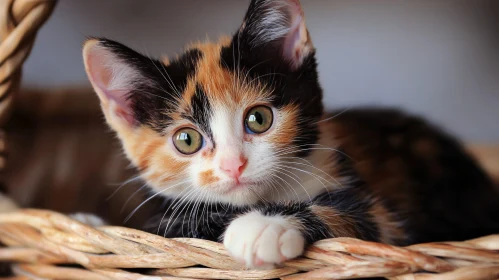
(371, 174)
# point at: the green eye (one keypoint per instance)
(187, 141)
(259, 119)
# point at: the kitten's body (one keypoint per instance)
(426, 186)
(234, 136)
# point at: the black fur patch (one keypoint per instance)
(205, 221)
(154, 91)
(439, 192)
(290, 86)
(201, 111)
(353, 203)
(211, 224)
(181, 69)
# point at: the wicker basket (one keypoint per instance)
(48, 245)
(39, 240)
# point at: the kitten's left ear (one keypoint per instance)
(116, 73)
(280, 26)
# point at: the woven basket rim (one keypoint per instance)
(38, 240)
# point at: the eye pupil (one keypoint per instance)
(258, 118)
(186, 138)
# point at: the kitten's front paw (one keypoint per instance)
(261, 241)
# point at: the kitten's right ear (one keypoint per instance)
(114, 77)
(277, 25)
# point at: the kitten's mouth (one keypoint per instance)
(238, 185)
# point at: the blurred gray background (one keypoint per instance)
(439, 58)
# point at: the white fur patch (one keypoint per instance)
(261, 241)
(88, 219)
(275, 22)
(7, 204)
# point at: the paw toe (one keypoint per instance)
(292, 244)
(267, 246)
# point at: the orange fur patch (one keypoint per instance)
(287, 130)
(340, 226)
(146, 148)
(215, 80)
(208, 153)
(164, 169)
(145, 152)
(207, 177)
(189, 92)
(221, 85)
(388, 228)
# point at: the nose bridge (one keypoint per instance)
(230, 158)
(229, 149)
(228, 136)
(227, 131)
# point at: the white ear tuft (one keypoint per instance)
(282, 23)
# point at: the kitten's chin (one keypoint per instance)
(240, 194)
(239, 199)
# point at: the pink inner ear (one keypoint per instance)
(292, 47)
(111, 78)
(295, 44)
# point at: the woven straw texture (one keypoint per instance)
(21, 20)
(19, 23)
(38, 240)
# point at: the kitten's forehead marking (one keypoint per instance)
(215, 92)
(200, 111)
(211, 88)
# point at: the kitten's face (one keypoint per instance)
(218, 122)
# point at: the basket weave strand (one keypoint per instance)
(21, 20)
(19, 23)
(37, 241)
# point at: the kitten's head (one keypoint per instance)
(217, 121)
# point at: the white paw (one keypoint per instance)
(261, 241)
(88, 219)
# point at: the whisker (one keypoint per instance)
(336, 115)
(182, 210)
(293, 147)
(131, 196)
(312, 175)
(283, 187)
(169, 81)
(307, 149)
(202, 199)
(192, 212)
(167, 209)
(124, 184)
(148, 199)
(264, 75)
(316, 168)
(281, 172)
(176, 206)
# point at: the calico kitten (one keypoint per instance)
(233, 135)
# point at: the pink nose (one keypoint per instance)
(233, 166)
